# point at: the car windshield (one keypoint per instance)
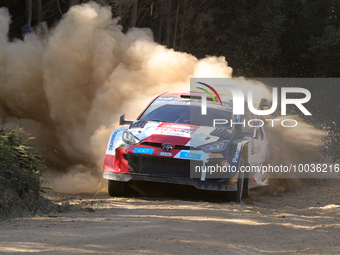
(186, 112)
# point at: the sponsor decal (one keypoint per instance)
(188, 155)
(172, 102)
(167, 98)
(111, 144)
(170, 133)
(237, 153)
(165, 130)
(177, 126)
(256, 150)
(143, 150)
(166, 154)
(216, 155)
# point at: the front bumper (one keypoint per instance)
(229, 185)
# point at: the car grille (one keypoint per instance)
(159, 166)
(170, 167)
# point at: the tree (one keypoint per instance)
(39, 11)
(264, 38)
(248, 35)
(322, 51)
(292, 41)
(73, 2)
(134, 13)
(183, 25)
(29, 12)
(160, 21)
(176, 23)
(325, 50)
(168, 22)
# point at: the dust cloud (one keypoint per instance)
(298, 145)
(68, 86)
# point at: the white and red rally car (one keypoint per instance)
(172, 142)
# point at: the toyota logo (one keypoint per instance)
(167, 147)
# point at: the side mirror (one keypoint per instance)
(122, 120)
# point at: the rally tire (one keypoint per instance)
(117, 189)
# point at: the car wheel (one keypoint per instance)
(117, 189)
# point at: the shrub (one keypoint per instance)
(20, 171)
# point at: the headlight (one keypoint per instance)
(129, 138)
(213, 147)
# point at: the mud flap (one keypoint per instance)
(237, 195)
(204, 173)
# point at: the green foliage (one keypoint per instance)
(20, 166)
(323, 23)
(326, 52)
(249, 34)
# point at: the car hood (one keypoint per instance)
(177, 134)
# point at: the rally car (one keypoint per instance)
(171, 141)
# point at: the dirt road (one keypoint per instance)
(303, 220)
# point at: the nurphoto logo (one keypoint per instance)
(238, 100)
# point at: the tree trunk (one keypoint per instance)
(183, 23)
(160, 21)
(134, 13)
(29, 12)
(119, 7)
(175, 33)
(168, 24)
(39, 11)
